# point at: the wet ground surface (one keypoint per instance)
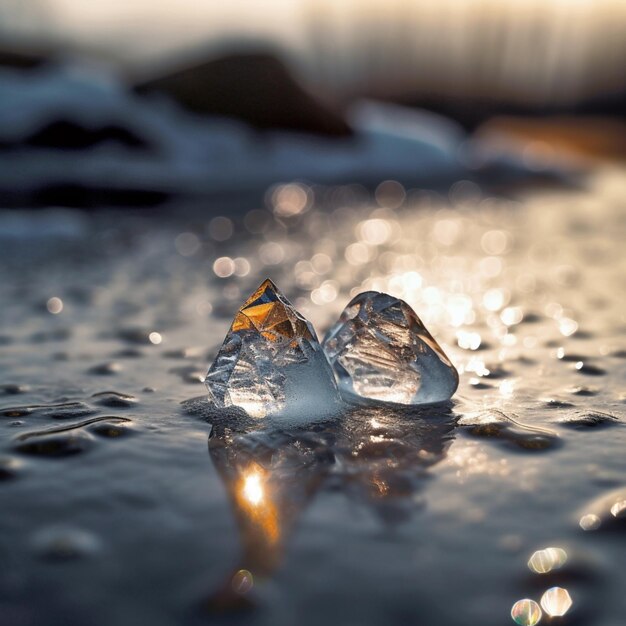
(117, 508)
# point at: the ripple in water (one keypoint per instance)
(587, 419)
(62, 543)
(495, 424)
(55, 445)
(113, 399)
(69, 440)
(9, 468)
(64, 410)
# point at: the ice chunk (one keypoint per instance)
(381, 350)
(272, 364)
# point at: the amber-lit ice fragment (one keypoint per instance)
(271, 363)
(381, 350)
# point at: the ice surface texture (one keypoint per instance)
(380, 350)
(272, 364)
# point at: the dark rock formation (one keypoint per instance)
(255, 88)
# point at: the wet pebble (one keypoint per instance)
(62, 543)
(587, 419)
(113, 399)
(64, 410)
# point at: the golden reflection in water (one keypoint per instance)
(254, 498)
(252, 488)
(381, 458)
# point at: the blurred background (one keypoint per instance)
(522, 78)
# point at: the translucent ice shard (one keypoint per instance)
(272, 364)
(381, 350)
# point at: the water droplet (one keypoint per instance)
(544, 561)
(242, 581)
(619, 509)
(54, 305)
(590, 522)
(556, 601)
(526, 612)
(155, 338)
